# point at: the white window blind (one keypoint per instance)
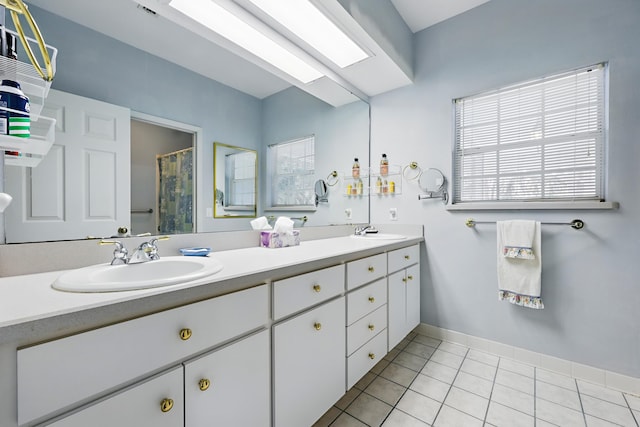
(541, 140)
(292, 166)
(240, 169)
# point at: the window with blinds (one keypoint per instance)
(292, 172)
(542, 140)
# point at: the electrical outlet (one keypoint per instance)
(348, 213)
(393, 214)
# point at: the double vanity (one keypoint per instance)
(273, 337)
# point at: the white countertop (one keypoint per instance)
(30, 298)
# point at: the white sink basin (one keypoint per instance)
(380, 236)
(162, 272)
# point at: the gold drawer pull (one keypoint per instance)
(371, 327)
(316, 288)
(371, 269)
(372, 300)
(410, 277)
(317, 325)
(185, 334)
(166, 405)
(372, 356)
(407, 257)
(204, 384)
(404, 279)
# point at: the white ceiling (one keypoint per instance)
(125, 21)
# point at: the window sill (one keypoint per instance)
(504, 206)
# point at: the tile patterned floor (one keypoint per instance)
(427, 382)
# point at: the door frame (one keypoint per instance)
(197, 157)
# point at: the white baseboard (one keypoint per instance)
(575, 370)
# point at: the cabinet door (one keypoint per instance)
(231, 386)
(157, 402)
(309, 364)
(397, 308)
(413, 297)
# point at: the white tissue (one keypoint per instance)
(284, 226)
(260, 223)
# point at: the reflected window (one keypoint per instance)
(292, 173)
(240, 170)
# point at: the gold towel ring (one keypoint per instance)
(412, 166)
(333, 175)
(17, 7)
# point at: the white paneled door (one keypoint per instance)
(81, 188)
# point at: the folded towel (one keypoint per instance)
(520, 262)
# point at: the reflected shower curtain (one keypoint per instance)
(175, 192)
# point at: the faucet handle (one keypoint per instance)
(120, 253)
(152, 248)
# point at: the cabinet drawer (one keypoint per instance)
(402, 258)
(297, 293)
(366, 270)
(361, 362)
(365, 300)
(137, 406)
(60, 373)
(366, 328)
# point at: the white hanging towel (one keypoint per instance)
(520, 262)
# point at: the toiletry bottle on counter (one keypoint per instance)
(355, 171)
(384, 165)
(392, 187)
(14, 110)
(360, 187)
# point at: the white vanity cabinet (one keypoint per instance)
(404, 293)
(308, 354)
(230, 386)
(157, 402)
(63, 374)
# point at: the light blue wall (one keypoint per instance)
(95, 66)
(590, 277)
(341, 133)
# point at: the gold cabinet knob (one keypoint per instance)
(404, 279)
(204, 384)
(185, 334)
(410, 277)
(316, 288)
(372, 356)
(317, 325)
(371, 269)
(371, 327)
(166, 405)
(372, 300)
(407, 257)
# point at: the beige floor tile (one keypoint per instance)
(607, 411)
(555, 379)
(439, 372)
(469, 403)
(515, 381)
(459, 350)
(449, 417)
(517, 367)
(365, 381)
(513, 399)
(385, 390)
(480, 356)
(558, 414)
(328, 417)
(369, 410)
(503, 416)
(431, 342)
(418, 349)
(474, 384)
(597, 422)
(399, 374)
(348, 397)
(419, 406)
(559, 395)
(478, 369)
(600, 392)
(398, 418)
(633, 401)
(410, 361)
(430, 387)
(448, 359)
(346, 420)
(379, 367)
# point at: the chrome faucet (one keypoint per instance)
(364, 229)
(146, 251)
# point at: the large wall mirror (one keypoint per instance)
(235, 181)
(98, 67)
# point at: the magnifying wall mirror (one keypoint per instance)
(234, 181)
(433, 183)
(322, 192)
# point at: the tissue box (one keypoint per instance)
(272, 239)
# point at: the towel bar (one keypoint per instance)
(141, 211)
(576, 224)
(301, 218)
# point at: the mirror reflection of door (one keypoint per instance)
(155, 189)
